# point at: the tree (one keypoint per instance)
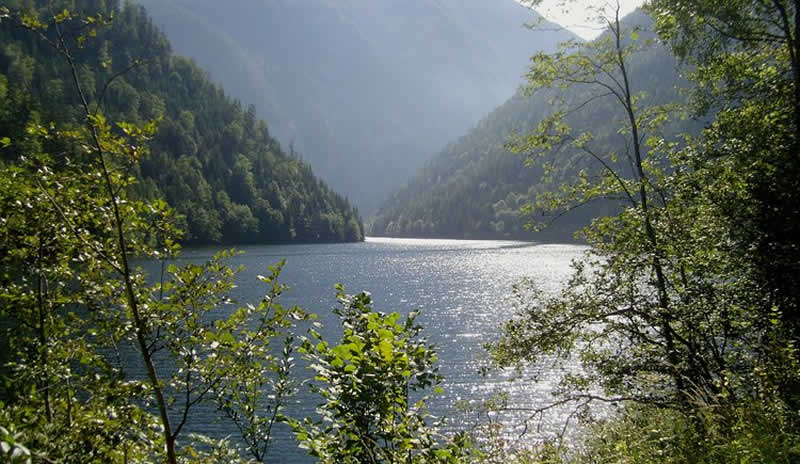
(372, 386)
(744, 57)
(72, 297)
(666, 310)
(600, 69)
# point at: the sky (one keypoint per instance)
(575, 14)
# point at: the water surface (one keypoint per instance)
(462, 288)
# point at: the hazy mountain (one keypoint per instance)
(363, 90)
(474, 188)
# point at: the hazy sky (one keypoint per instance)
(576, 15)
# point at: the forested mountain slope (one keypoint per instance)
(475, 187)
(212, 159)
(366, 90)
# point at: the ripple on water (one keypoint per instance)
(461, 286)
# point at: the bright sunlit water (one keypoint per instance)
(462, 288)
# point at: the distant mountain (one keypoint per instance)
(474, 188)
(212, 159)
(363, 90)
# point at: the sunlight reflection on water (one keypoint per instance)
(461, 286)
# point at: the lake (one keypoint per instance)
(462, 288)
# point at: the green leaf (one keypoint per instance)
(385, 350)
(226, 338)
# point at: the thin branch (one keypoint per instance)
(587, 102)
(129, 68)
(608, 168)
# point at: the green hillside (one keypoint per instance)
(475, 187)
(377, 85)
(212, 159)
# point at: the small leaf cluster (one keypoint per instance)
(373, 386)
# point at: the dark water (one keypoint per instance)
(461, 287)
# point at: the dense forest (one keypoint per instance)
(212, 159)
(477, 188)
(400, 79)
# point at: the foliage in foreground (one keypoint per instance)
(684, 313)
(752, 432)
(101, 363)
(373, 386)
(749, 433)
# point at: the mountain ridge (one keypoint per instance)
(212, 159)
(364, 91)
(476, 188)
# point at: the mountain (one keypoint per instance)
(475, 188)
(363, 90)
(212, 159)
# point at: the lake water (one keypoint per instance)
(461, 287)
